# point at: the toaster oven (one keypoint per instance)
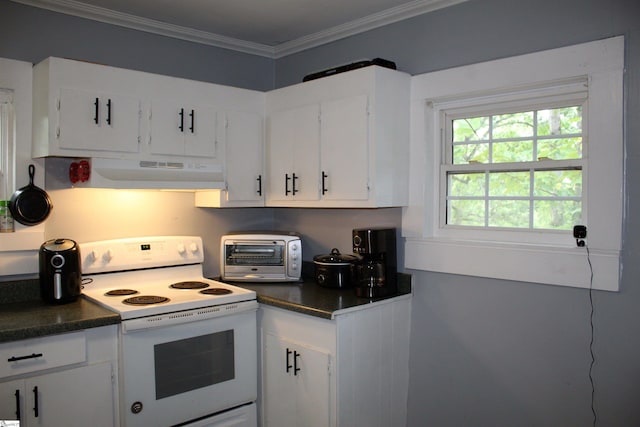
(274, 256)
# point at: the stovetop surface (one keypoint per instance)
(156, 282)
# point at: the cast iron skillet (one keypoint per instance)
(30, 205)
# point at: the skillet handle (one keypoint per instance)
(32, 173)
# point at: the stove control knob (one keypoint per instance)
(181, 248)
(107, 256)
(136, 407)
(91, 257)
(193, 247)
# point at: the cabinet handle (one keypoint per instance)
(181, 114)
(259, 179)
(30, 356)
(35, 401)
(17, 394)
(324, 181)
(96, 116)
(288, 365)
(193, 116)
(296, 369)
(286, 184)
(294, 184)
(109, 112)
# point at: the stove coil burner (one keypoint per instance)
(121, 292)
(145, 300)
(216, 291)
(189, 285)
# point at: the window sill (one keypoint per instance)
(563, 266)
(19, 251)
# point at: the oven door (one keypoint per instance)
(177, 373)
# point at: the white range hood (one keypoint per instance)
(133, 174)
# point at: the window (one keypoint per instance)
(7, 158)
(18, 250)
(508, 155)
(514, 167)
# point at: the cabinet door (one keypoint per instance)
(183, 130)
(12, 400)
(98, 121)
(296, 384)
(72, 398)
(243, 145)
(294, 137)
(344, 149)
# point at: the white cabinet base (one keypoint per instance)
(354, 369)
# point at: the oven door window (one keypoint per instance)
(255, 254)
(193, 363)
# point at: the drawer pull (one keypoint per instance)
(31, 356)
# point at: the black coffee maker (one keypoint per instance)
(377, 271)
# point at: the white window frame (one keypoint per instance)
(530, 256)
(19, 250)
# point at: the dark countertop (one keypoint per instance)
(308, 298)
(31, 318)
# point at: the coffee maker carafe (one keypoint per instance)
(377, 270)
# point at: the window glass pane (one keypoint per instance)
(558, 183)
(466, 212)
(467, 184)
(509, 184)
(470, 153)
(557, 214)
(560, 148)
(513, 151)
(193, 363)
(471, 129)
(509, 213)
(505, 147)
(514, 125)
(560, 121)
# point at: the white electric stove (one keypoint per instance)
(187, 343)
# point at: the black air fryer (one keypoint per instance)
(60, 274)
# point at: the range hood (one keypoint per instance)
(132, 174)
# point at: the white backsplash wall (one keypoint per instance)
(101, 214)
(324, 229)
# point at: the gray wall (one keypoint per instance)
(484, 352)
(497, 353)
(33, 34)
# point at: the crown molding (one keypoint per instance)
(399, 13)
(389, 16)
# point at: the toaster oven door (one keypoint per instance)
(254, 260)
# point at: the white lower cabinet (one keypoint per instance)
(348, 371)
(296, 374)
(38, 389)
(67, 398)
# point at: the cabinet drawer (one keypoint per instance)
(37, 354)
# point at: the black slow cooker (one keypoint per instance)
(335, 270)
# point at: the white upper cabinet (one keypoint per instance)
(97, 111)
(185, 118)
(183, 130)
(83, 109)
(340, 141)
(245, 182)
(293, 154)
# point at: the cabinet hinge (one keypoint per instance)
(58, 132)
(58, 104)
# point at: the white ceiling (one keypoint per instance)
(272, 28)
